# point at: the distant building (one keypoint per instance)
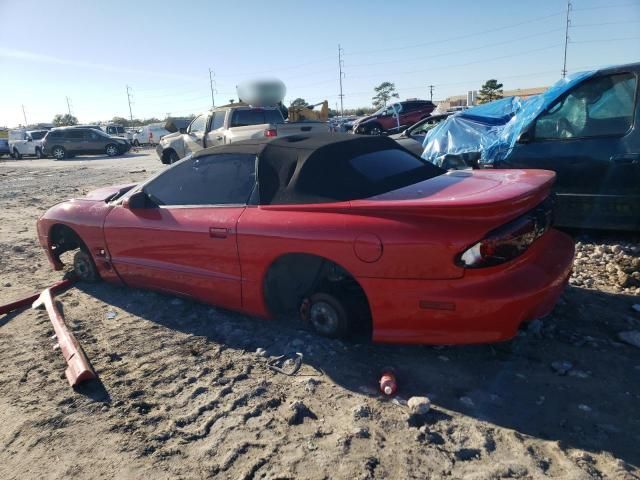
(471, 97)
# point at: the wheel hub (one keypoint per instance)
(324, 317)
(82, 268)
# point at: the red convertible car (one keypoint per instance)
(347, 232)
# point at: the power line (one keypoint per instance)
(566, 39)
(607, 40)
(519, 54)
(604, 23)
(469, 35)
(129, 100)
(619, 5)
(455, 52)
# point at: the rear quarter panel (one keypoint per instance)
(411, 247)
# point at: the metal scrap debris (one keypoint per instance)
(79, 369)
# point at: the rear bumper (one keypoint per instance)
(486, 305)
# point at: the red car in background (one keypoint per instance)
(394, 118)
(347, 232)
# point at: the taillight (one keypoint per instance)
(509, 241)
(270, 132)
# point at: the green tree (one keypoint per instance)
(490, 91)
(65, 120)
(299, 102)
(384, 92)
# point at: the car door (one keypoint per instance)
(30, 146)
(409, 114)
(95, 141)
(184, 241)
(215, 134)
(74, 141)
(194, 138)
(589, 138)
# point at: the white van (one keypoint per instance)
(149, 134)
(26, 142)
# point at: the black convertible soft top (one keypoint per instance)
(328, 167)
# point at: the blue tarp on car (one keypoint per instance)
(490, 130)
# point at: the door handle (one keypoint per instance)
(218, 232)
(626, 158)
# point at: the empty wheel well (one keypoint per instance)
(166, 154)
(63, 239)
(294, 277)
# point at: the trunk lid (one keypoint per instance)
(467, 194)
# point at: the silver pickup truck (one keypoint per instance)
(228, 124)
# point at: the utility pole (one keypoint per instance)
(68, 106)
(566, 39)
(24, 115)
(129, 100)
(431, 92)
(211, 83)
(340, 65)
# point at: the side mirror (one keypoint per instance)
(29, 139)
(136, 201)
(182, 130)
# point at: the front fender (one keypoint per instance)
(86, 219)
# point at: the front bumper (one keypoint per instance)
(486, 305)
(159, 151)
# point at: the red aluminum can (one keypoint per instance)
(388, 384)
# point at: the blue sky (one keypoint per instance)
(90, 50)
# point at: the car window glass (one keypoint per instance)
(425, 127)
(243, 118)
(600, 106)
(94, 136)
(74, 134)
(198, 124)
(212, 180)
(218, 120)
(376, 166)
(37, 135)
(273, 116)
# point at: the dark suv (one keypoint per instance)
(66, 142)
(385, 120)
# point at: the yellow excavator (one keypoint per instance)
(307, 112)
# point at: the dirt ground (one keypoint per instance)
(184, 394)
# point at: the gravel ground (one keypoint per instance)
(185, 392)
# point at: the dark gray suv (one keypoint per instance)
(61, 143)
